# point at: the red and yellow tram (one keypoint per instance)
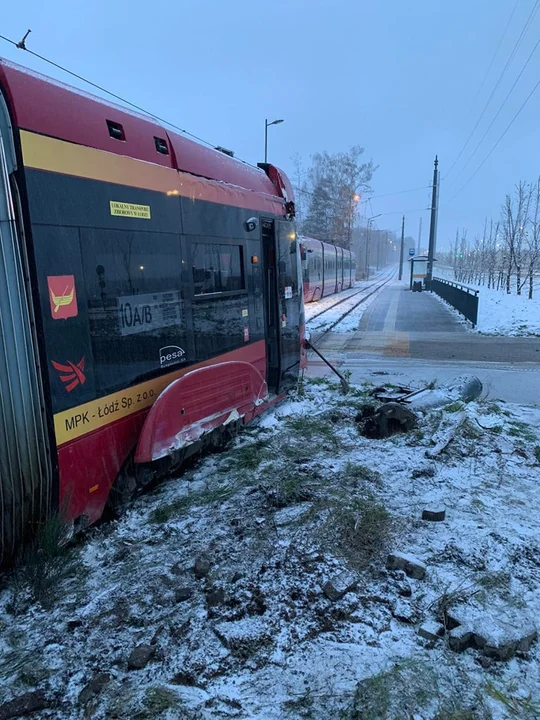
(150, 298)
(326, 268)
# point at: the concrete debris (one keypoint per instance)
(443, 437)
(398, 582)
(497, 634)
(411, 565)
(406, 612)
(340, 585)
(182, 594)
(431, 630)
(434, 515)
(215, 597)
(94, 687)
(202, 566)
(140, 657)
(23, 705)
(460, 638)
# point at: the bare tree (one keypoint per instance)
(336, 182)
(514, 220)
(533, 236)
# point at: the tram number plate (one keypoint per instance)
(151, 311)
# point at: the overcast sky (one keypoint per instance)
(399, 78)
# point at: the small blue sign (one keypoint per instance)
(411, 252)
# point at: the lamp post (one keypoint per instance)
(369, 220)
(266, 126)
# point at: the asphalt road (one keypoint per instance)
(400, 323)
(412, 338)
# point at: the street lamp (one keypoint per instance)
(367, 242)
(266, 126)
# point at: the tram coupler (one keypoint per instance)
(344, 384)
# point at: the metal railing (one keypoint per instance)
(461, 297)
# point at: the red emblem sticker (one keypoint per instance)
(71, 374)
(62, 296)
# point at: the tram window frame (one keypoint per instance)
(195, 243)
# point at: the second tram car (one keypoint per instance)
(326, 268)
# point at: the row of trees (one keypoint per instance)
(328, 193)
(507, 254)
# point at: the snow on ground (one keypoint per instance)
(335, 308)
(220, 578)
(502, 314)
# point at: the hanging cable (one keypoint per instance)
(505, 68)
(486, 74)
(498, 111)
(529, 96)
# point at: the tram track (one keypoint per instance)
(376, 287)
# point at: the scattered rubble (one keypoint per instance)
(431, 630)
(411, 565)
(388, 419)
(246, 618)
(434, 514)
(23, 705)
(140, 657)
(182, 594)
(340, 585)
(498, 634)
(202, 567)
(94, 687)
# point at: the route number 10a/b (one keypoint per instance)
(134, 316)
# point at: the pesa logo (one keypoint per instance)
(170, 355)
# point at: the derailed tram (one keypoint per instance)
(150, 301)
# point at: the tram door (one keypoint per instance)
(283, 303)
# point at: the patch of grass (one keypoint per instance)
(392, 694)
(249, 457)
(521, 430)
(164, 513)
(44, 565)
(289, 486)
(357, 473)
(311, 428)
(454, 407)
(516, 706)
(302, 706)
(408, 690)
(494, 409)
(469, 431)
(157, 700)
(361, 528)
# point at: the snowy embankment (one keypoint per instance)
(503, 314)
(257, 584)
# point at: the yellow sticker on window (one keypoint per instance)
(130, 210)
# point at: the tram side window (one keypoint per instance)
(135, 304)
(217, 268)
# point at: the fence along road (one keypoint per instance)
(461, 297)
